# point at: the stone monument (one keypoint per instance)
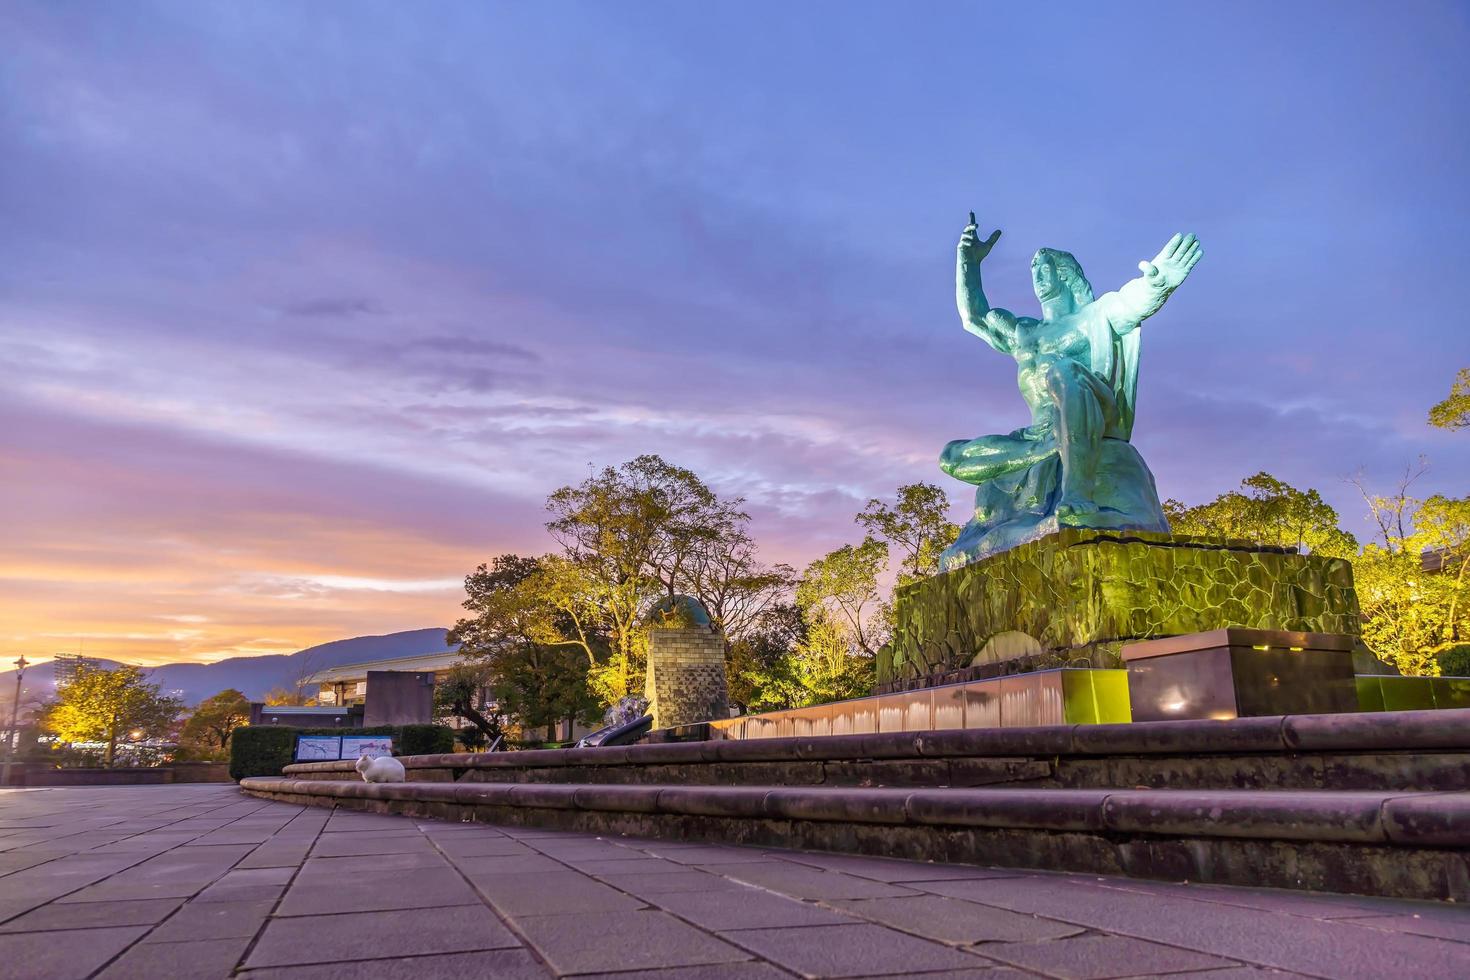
(686, 664)
(1068, 555)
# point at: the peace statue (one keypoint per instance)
(1077, 367)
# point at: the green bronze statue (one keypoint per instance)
(1077, 367)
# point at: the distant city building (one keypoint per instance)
(65, 667)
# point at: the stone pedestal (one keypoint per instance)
(1075, 597)
(1234, 673)
(686, 676)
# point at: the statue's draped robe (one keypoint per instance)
(1018, 476)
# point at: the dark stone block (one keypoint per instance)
(1042, 741)
(862, 805)
(1181, 737)
(987, 772)
(1435, 729)
(714, 801)
(1441, 820)
(1236, 673)
(1041, 808)
(1246, 813)
(631, 799)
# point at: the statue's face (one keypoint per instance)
(1044, 277)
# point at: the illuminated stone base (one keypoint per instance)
(1073, 598)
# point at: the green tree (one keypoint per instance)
(206, 732)
(841, 588)
(519, 643)
(633, 532)
(1268, 511)
(823, 650)
(1411, 582)
(102, 705)
(917, 524)
(758, 668)
(1454, 412)
(464, 693)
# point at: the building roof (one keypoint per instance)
(358, 672)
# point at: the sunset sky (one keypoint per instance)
(304, 308)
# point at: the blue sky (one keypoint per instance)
(305, 308)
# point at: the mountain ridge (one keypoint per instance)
(254, 676)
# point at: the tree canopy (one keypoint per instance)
(101, 705)
(1268, 511)
(206, 732)
(1454, 411)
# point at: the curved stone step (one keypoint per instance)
(1410, 750)
(1387, 843)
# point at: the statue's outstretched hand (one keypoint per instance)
(1173, 262)
(972, 249)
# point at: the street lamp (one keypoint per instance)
(10, 734)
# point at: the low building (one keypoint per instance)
(304, 716)
(347, 686)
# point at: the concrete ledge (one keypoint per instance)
(1439, 818)
(1288, 736)
(1412, 845)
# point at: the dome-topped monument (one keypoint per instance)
(678, 612)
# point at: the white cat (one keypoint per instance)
(384, 769)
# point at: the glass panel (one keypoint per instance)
(982, 704)
(949, 706)
(1370, 693)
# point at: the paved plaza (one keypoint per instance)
(201, 881)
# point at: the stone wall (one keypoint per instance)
(1073, 598)
(686, 676)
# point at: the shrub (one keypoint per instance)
(261, 750)
(264, 750)
(1454, 661)
(424, 740)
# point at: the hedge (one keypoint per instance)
(264, 750)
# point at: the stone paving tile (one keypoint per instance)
(746, 908)
(372, 891)
(1252, 936)
(850, 950)
(212, 920)
(274, 854)
(705, 854)
(1316, 905)
(953, 921)
(638, 864)
(593, 851)
(1096, 957)
(466, 845)
(501, 964)
(648, 885)
(893, 871)
(370, 935)
(65, 955)
(69, 906)
(1452, 928)
(801, 881)
(507, 865)
(551, 893)
(749, 970)
(348, 845)
(201, 959)
(90, 915)
(356, 864)
(610, 941)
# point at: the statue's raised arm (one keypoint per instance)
(996, 327)
(1141, 298)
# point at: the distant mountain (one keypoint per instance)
(253, 676)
